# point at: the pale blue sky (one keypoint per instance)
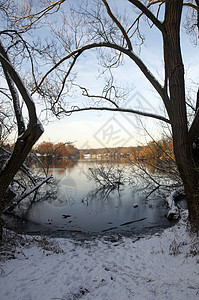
(107, 129)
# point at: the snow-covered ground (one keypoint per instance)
(164, 266)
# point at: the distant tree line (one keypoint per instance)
(108, 152)
(58, 150)
(154, 151)
(151, 152)
(157, 156)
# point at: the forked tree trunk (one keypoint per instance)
(21, 150)
(176, 86)
(26, 137)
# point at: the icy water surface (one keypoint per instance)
(78, 206)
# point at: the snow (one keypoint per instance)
(174, 210)
(162, 266)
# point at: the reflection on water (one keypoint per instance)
(80, 206)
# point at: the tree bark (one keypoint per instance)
(22, 148)
(26, 137)
(176, 85)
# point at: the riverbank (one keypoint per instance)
(162, 266)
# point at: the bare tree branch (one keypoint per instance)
(18, 199)
(65, 77)
(148, 13)
(116, 21)
(25, 94)
(191, 5)
(86, 93)
(35, 17)
(129, 53)
(16, 103)
(119, 109)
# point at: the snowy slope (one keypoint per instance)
(164, 266)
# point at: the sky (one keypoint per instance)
(110, 129)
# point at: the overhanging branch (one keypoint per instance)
(21, 87)
(100, 97)
(116, 21)
(148, 13)
(130, 54)
(126, 110)
(14, 94)
(18, 199)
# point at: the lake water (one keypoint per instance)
(79, 206)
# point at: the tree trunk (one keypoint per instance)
(1, 229)
(26, 138)
(22, 148)
(176, 85)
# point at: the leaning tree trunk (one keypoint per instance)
(27, 137)
(176, 86)
(21, 150)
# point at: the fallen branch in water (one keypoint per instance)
(18, 199)
(107, 176)
(105, 230)
(127, 223)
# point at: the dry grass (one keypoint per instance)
(12, 245)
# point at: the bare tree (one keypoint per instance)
(107, 176)
(14, 52)
(99, 25)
